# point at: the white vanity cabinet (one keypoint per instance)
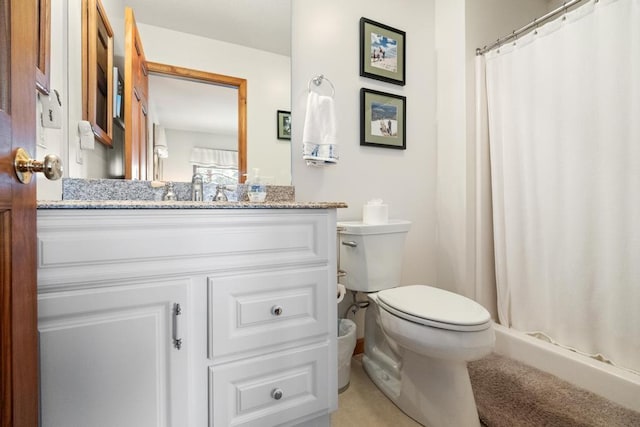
(253, 342)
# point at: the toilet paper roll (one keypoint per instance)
(341, 291)
(375, 212)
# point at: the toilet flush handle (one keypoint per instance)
(350, 243)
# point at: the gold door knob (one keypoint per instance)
(25, 166)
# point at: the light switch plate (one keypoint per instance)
(51, 110)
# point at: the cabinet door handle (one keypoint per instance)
(177, 313)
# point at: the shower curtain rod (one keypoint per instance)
(562, 9)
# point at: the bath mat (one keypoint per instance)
(511, 394)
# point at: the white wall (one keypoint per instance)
(51, 141)
(461, 27)
(325, 42)
(180, 142)
(450, 199)
(85, 163)
(431, 184)
(66, 78)
(268, 88)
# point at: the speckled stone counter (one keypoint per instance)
(150, 204)
(121, 189)
(126, 194)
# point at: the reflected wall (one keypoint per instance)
(268, 78)
(268, 88)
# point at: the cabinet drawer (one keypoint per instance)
(269, 391)
(78, 246)
(257, 311)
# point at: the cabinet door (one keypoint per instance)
(136, 92)
(108, 356)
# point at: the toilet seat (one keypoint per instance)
(434, 307)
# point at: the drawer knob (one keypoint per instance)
(277, 393)
(276, 310)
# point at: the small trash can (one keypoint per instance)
(346, 345)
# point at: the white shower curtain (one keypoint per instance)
(564, 129)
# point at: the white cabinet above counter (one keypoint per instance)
(219, 317)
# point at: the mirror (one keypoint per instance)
(200, 124)
(248, 39)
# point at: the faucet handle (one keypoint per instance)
(220, 196)
(196, 187)
(170, 194)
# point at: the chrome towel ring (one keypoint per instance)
(318, 80)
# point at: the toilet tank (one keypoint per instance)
(371, 255)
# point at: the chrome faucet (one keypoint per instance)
(196, 187)
(220, 196)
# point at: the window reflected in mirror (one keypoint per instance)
(215, 166)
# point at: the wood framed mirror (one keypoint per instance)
(220, 80)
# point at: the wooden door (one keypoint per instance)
(136, 84)
(18, 314)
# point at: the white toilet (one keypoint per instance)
(418, 339)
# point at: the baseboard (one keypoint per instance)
(359, 346)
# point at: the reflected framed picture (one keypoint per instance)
(118, 100)
(382, 119)
(284, 124)
(382, 52)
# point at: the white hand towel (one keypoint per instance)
(320, 144)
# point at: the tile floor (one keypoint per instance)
(362, 404)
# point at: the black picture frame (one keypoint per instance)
(382, 119)
(284, 124)
(382, 52)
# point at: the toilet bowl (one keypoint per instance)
(435, 322)
(418, 339)
(431, 382)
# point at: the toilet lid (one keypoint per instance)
(434, 307)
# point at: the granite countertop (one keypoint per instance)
(127, 194)
(149, 204)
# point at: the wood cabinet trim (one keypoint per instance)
(44, 47)
(136, 139)
(93, 15)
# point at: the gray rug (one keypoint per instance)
(511, 394)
